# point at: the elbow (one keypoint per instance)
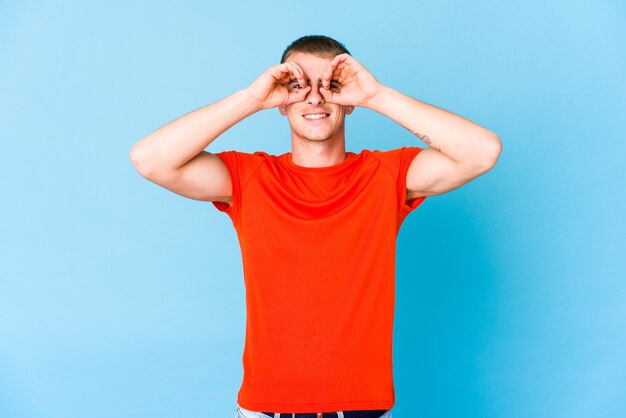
(139, 159)
(491, 152)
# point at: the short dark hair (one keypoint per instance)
(320, 45)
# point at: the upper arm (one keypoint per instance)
(431, 173)
(204, 177)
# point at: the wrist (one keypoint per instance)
(249, 102)
(375, 102)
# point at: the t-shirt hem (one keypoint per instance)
(313, 407)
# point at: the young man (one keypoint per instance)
(318, 225)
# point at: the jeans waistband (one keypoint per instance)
(373, 413)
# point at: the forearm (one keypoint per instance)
(456, 137)
(174, 144)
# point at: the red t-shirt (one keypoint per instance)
(318, 246)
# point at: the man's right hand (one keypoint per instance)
(173, 156)
(270, 89)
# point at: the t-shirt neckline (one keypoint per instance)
(291, 164)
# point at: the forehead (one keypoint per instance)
(311, 64)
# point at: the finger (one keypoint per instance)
(327, 95)
(298, 95)
(333, 97)
(276, 72)
(330, 70)
(339, 59)
(342, 72)
(337, 71)
(329, 75)
(282, 73)
(297, 72)
(344, 58)
(302, 78)
(292, 71)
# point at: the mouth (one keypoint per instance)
(316, 116)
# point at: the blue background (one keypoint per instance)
(119, 298)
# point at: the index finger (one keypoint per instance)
(298, 73)
(332, 65)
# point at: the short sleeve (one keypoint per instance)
(398, 162)
(241, 167)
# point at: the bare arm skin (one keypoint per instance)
(459, 149)
(173, 156)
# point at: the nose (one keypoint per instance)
(315, 95)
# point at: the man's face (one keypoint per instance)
(330, 124)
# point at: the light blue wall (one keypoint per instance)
(119, 298)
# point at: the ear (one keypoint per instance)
(282, 110)
(348, 109)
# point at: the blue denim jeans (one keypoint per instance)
(246, 413)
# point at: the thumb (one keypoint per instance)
(327, 95)
(298, 95)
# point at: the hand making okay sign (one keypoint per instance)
(357, 85)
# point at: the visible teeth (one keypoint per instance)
(317, 116)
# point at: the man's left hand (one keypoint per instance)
(357, 86)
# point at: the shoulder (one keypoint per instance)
(397, 158)
(241, 158)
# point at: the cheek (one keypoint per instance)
(294, 117)
(338, 118)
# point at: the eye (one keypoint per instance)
(294, 86)
(334, 85)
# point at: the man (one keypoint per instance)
(317, 226)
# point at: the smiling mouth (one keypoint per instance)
(315, 116)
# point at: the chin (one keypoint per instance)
(316, 138)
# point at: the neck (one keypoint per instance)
(318, 156)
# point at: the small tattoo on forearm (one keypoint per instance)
(427, 140)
